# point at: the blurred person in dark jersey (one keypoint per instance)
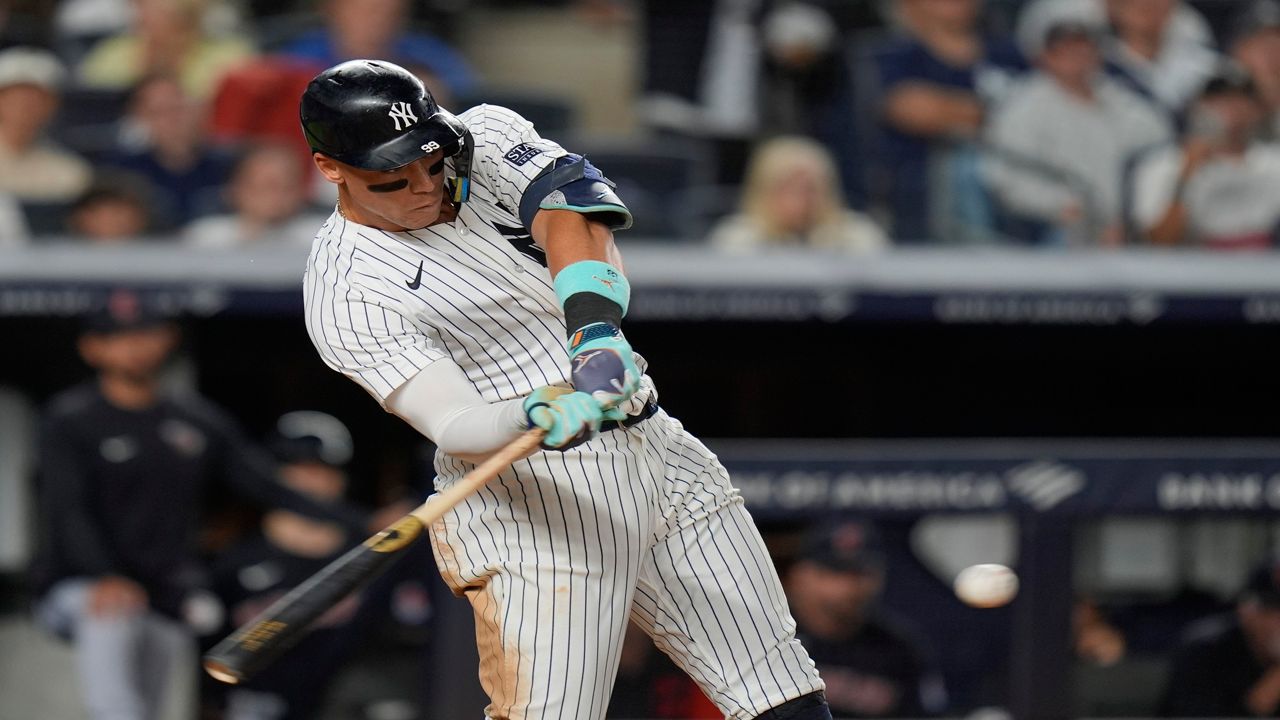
(874, 663)
(313, 450)
(1229, 665)
(125, 470)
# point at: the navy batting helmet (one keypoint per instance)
(376, 115)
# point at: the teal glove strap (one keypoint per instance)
(596, 277)
(569, 417)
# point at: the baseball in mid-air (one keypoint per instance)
(987, 585)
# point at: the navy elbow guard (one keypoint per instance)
(573, 183)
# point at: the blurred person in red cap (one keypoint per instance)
(874, 664)
(1229, 666)
(125, 469)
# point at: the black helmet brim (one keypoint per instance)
(442, 131)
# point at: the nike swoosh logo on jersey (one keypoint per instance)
(417, 279)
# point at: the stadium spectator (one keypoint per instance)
(313, 450)
(936, 81)
(1221, 187)
(1162, 48)
(112, 210)
(376, 29)
(1229, 666)
(166, 145)
(31, 168)
(1254, 42)
(701, 76)
(268, 194)
(124, 469)
(1060, 140)
(792, 197)
(872, 663)
(168, 37)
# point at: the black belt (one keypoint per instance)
(650, 409)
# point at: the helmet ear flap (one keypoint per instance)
(462, 154)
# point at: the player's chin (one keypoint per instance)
(426, 214)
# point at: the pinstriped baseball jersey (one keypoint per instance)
(558, 552)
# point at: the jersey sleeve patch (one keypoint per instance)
(522, 153)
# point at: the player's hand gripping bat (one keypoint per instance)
(261, 640)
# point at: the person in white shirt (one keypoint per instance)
(1059, 142)
(268, 194)
(32, 169)
(1162, 48)
(1220, 187)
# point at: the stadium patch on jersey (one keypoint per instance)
(521, 154)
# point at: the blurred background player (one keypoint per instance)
(125, 470)
(313, 450)
(1229, 666)
(874, 663)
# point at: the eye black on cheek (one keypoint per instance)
(387, 187)
(436, 168)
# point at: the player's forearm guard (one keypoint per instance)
(593, 276)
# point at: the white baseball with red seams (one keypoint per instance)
(987, 585)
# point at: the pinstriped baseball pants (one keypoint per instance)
(557, 553)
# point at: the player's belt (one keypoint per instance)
(649, 410)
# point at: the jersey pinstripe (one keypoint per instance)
(560, 550)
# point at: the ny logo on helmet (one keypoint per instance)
(402, 111)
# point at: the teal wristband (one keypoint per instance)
(596, 277)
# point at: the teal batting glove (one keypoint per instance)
(569, 417)
(603, 366)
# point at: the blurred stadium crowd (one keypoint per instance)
(846, 125)
(1045, 122)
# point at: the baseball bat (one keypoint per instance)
(256, 643)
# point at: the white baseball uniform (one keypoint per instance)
(561, 549)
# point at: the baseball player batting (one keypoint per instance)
(469, 281)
